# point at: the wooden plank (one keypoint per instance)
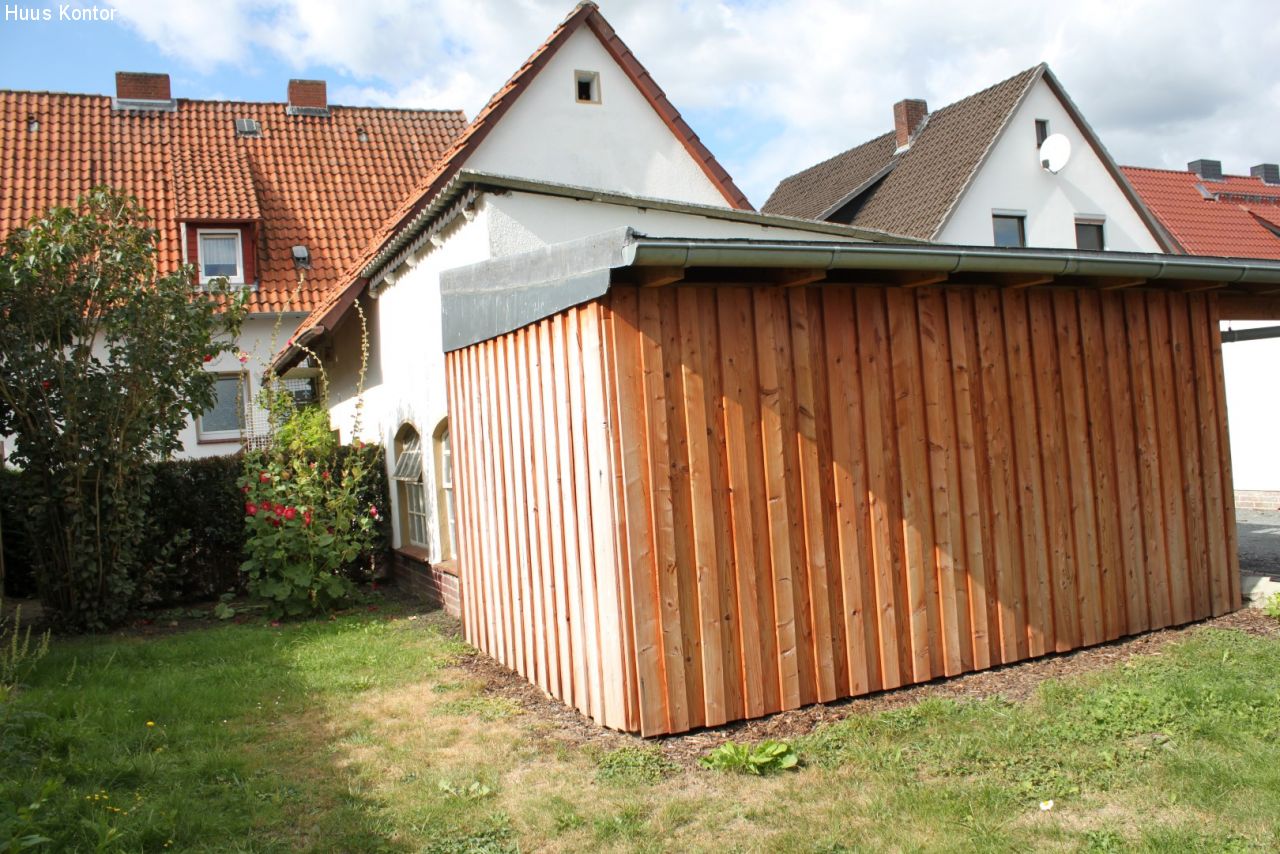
(1175, 512)
(657, 277)
(1105, 502)
(884, 501)
(944, 481)
(726, 585)
(706, 560)
(811, 507)
(1189, 436)
(690, 627)
(975, 480)
(1148, 453)
(734, 317)
(789, 278)
(488, 536)
(917, 509)
(632, 431)
(566, 350)
(1121, 385)
(1064, 564)
(1079, 459)
(1228, 489)
(1247, 307)
(515, 505)
(779, 535)
(662, 511)
(525, 508)
(1210, 456)
(1006, 592)
(847, 462)
(1028, 600)
(557, 525)
(504, 650)
(603, 514)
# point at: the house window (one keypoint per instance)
(1089, 235)
(408, 478)
(220, 254)
(224, 421)
(1042, 131)
(444, 470)
(1009, 230)
(587, 86)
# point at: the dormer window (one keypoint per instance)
(587, 86)
(220, 254)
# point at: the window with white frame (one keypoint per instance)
(444, 470)
(224, 421)
(408, 477)
(219, 253)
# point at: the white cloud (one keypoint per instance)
(1162, 82)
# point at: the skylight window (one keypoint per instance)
(248, 127)
(587, 86)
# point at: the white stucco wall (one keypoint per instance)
(1013, 180)
(617, 144)
(258, 338)
(1253, 408)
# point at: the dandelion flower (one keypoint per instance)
(1045, 806)
(151, 723)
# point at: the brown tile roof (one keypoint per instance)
(306, 180)
(327, 313)
(1230, 222)
(925, 180)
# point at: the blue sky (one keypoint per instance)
(772, 86)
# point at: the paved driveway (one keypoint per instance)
(1259, 534)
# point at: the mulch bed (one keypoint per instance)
(555, 722)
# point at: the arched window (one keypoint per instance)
(444, 496)
(408, 477)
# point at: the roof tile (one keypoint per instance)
(1225, 225)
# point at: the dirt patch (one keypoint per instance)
(552, 721)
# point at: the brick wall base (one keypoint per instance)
(1248, 499)
(434, 585)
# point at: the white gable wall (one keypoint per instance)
(618, 144)
(1012, 180)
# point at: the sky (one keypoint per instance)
(772, 86)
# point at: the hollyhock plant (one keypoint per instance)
(319, 517)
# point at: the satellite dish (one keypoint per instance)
(1055, 151)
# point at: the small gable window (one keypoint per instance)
(220, 254)
(1089, 235)
(1009, 230)
(587, 86)
(1042, 131)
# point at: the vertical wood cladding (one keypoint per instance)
(683, 506)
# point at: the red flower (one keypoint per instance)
(275, 523)
(46, 385)
(324, 475)
(245, 489)
(264, 478)
(289, 343)
(265, 506)
(290, 513)
(251, 509)
(306, 518)
(208, 357)
(279, 508)
(373, 511)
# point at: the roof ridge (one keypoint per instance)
(235, 101)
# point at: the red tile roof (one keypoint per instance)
(1225, 220)
(327, 313)
(305, 180)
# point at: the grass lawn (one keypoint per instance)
(368, 733)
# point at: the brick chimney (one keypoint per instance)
(1210, 170)
(142, 86)
(308, 98)
(1268, 172)
(907, 117)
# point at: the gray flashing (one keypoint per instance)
(481, 301)
(143, 105)
(317, 112)
(491, 298)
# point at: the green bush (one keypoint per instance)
(19, 570)
(1272, 606)
(196, 532)
(314, 513)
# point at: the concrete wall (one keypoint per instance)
(1013, 180)
(618, 144)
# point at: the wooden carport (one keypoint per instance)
(701, 481)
